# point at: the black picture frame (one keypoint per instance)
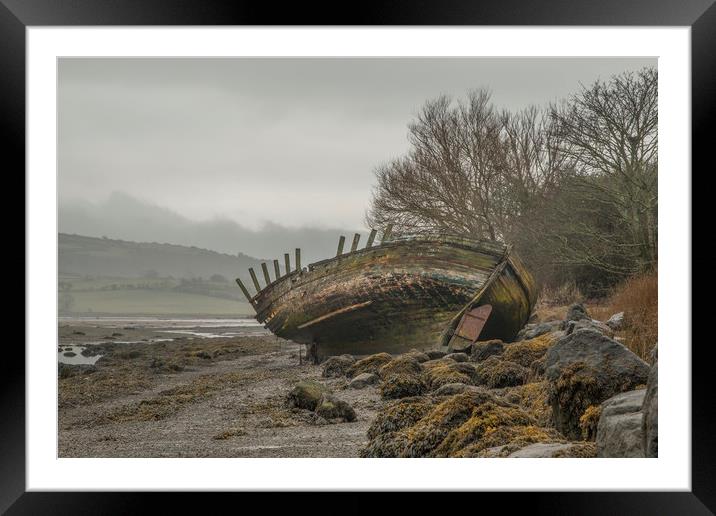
(16, 15)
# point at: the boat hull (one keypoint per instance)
(400, 295)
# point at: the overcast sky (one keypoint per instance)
(291, 141)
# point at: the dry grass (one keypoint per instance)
(565, 294)
(638, 298)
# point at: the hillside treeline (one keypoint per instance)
(573, 185)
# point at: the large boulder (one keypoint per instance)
(586, 368)
(485, 349)
(577, 312)
(335, 367)
(619, 432)
(307, 394)
(650, 414)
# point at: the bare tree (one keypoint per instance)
(573, 187)
(452, 179)
(609, 133)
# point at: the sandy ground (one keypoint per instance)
(197, 397)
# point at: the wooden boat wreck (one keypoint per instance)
(408, 292)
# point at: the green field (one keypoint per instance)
(155, 302)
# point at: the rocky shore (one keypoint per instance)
(564, 388)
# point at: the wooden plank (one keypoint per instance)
(386, 234)
(354, 245)
(287, 262)
(264, 268)
(371, 238)
(276, 269)
(255, 280)
(298, 258)
(244, 289)
(341, 243)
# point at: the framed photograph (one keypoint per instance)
(274, 252)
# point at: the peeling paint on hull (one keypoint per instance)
(402, 294)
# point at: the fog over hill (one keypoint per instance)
(125, 217)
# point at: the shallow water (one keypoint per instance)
(150, 330)
(159, 323)
(78, 358)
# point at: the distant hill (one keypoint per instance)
(103, 257)
(106, 276)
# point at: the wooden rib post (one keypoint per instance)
(276, 269)
(264, 268)
(341, 243)
(287, 261)
(255, 280)
(387, 233)
(244, 289)
(354, 245)
(298, 258)
(371, 238)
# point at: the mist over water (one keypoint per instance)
(124, 217)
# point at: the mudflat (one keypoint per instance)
(195, 396)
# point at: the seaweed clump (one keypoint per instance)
(496, 373)
(525, 352)
(445, 371)
(369, 364)
(401, 386)
(335, 367)
(588, 422)
(483, 421)
(534, 399)
(402, 365)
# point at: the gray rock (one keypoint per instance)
(540, 450)
(619, 432)
(588, 324)
(307, 394)
(435, 354)
(331, 408)
(532, 331)
(488, 348)
(460, 346)
(654, 354)
(363, 380)
(616, 321)
(418, 355)
(335, 367)
(577, 312)
(458, 357)
(451, 389)
(586, 368)
(650, 414)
